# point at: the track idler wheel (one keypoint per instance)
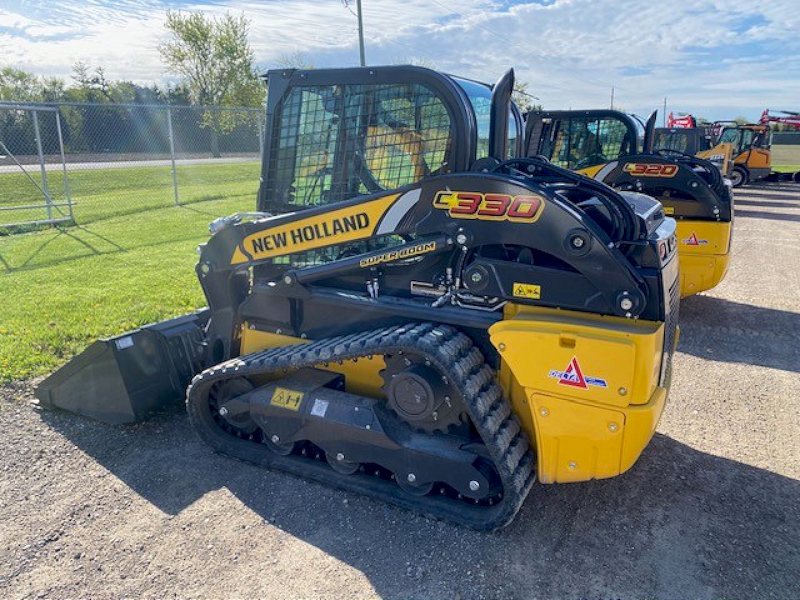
(239, 424)
(340, 464)
(274, 444)
(410, 486)
(420, 395)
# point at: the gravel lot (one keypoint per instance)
(711, 510)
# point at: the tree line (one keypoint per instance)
(216, 66)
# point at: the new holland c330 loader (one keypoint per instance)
(414, 313)
(605, 145)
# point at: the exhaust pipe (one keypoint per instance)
(126, 378)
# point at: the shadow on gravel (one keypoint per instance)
(762, 214)
(768, 204)
(719, 329)
(681, 523)
(780, 199)
(769, 187)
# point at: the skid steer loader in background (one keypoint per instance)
(604, 145)
(415, 313)
(752, 154)
(694, 141)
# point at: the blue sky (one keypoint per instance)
(718, 59)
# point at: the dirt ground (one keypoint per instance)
(711, 510)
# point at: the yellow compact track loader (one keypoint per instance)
(752, 156)
(695, 141)
(604, 144)
(414, 313)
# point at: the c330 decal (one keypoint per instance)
(490, 207)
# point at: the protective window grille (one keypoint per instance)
(580, 143)
(612, 139)
(676, 140)
(337, 142)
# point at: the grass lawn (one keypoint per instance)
(785, 156)
(62, 288)
(102, 193)
(786, 168)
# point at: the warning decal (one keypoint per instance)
(573, 376)
(693, 241)
(527, 290)
(287, 398)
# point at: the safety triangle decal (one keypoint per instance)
(573, 376)
(693, 240)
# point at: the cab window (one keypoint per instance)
(480, 97)
(337, 142)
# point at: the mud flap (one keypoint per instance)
(125, 378)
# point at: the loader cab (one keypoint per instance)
(581, 139)
(696, 141)
(336, 134)
(615, 148)
(684, 140)
(752, 158)
(745, 137)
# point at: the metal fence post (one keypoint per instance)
(47, 198)
(260, 136)
(67, 192)
(172, 156)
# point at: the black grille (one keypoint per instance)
(670, 330)
(336, 142)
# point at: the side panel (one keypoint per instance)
(721, 154)
(585, 388)
(756, 158)
(704, 254)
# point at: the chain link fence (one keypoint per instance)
(85, 162)
(34, 188)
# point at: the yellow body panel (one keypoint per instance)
(581, 432)
(334, 227)
(591, 171)
(722, 154)
(756, 158)
(704, 253)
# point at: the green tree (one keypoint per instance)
(19, 86)
(295, 60)
(415, 61)
(523, 99)
(217, 65)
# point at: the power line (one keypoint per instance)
(528, 50)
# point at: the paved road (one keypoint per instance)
(7, 165)
(712, 509)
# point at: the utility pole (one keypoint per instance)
(612, 97)
(664, 115)
(361, 33)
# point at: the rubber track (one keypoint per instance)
(452, 353)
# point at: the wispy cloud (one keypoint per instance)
(719, 59)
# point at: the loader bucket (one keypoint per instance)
(125, 378)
